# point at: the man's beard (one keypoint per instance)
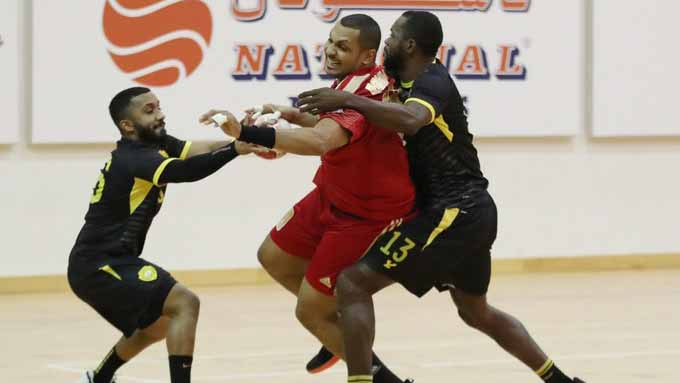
(393, 64)
(149, 135)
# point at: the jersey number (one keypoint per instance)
(397, 256)
(99, 188)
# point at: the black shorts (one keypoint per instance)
(449, 248)
(127, 291)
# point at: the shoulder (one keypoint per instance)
(435, 75)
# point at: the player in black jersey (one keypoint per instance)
(448, 245)
(137, 297)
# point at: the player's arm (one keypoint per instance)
(198, 148)
(326, 135)
(407, 118)
(160, 170)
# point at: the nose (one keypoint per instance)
(330, 52)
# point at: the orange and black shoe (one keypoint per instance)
(322, 361)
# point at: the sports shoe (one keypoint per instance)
(577, 380)
(88, 377)
(322, 361)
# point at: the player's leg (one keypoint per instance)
(506, 330)
(355, 288)
(127, 348)
(286, 251)
(288, 270)
(317, 312)
(129, 293)
(471, 238)
(182, 307)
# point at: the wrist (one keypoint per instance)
(264, 136)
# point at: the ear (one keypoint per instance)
(410, 46)
(370, 57)
(126, 127)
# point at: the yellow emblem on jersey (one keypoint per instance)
(147, 273)
(164, 153)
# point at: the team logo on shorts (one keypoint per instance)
(286, 218)
(147, 273)
(326, 281)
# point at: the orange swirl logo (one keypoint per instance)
(157, 42)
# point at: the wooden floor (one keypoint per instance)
(604, 327)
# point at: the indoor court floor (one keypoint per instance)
(607, 327)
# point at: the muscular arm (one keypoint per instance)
(407, 118)
(324, 137)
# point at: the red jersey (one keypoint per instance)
(368, 177)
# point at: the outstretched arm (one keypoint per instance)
(197, 167)
(405, 118)
(324, 137)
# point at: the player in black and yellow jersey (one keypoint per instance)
(138, 297)
(448, 245)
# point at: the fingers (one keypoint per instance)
(309, 107)
(310, 93)
(206, 118)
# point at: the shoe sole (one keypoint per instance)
(330, 363)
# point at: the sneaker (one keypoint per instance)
(577, 380)
(88, 377)
(322, 361)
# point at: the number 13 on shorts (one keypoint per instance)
(397, 256)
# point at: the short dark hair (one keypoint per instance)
(425, 28)
(369, 30)
(120, 102)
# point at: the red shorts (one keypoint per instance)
(328, 237)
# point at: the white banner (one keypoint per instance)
(9, 71)
(518, 63)
(635, 68)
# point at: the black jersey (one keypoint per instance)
(444, 164)
(127, 197)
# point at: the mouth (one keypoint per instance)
(332, 65)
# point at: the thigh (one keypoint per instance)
(299, 231)
(342, 244)
(128, 292)
(451, 248)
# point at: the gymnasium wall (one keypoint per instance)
(576, 132)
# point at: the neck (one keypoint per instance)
(414, 67)
(362, 67)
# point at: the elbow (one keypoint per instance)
(322, 147)
(411, 125)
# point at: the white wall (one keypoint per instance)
(556, 197)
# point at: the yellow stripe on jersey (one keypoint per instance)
(447, 220)
(408, 84)
(355, 378)
(140, 190)
(544, 368)
(108, 269)
(425, 104)
(444, 127)
(159, 170)
(185, 151)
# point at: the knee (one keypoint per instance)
(308, 316)
(190, 303)
(350, 284)
(263, 256)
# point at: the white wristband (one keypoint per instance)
(219, 119)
